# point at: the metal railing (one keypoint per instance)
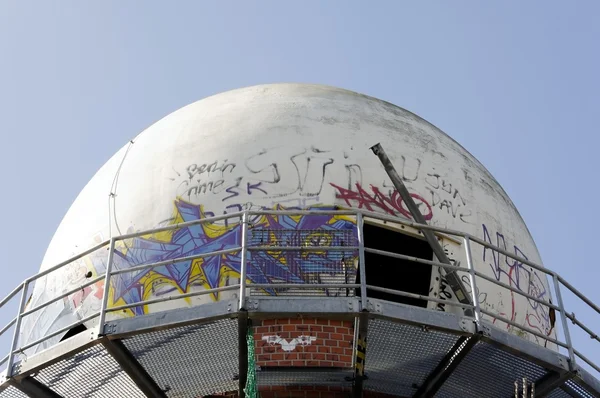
(346, 251)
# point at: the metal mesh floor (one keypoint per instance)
(487, 371)
(305, 376)
(12, 392)
(190, 361)
(582, 391)
(400, 357)
(90, 373)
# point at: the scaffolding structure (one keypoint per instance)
(203, 350)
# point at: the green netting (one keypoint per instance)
(251, 391)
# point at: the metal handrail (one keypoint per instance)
(244, 218)
(174, 260)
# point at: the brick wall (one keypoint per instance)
(325, 343)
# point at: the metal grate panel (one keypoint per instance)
(559, 393)
(400, 357)
(488, 371)
(305, 376)
(305, 267)
(12, 392)
(582, 391)
(190, 361)
(92, 373)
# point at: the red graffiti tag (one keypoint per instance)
(391, 203)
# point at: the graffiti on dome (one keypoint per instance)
(220, 270)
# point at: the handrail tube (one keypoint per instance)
(107, 276)
(563, 319)
(578, 294)
(170, 298)
(15, 337)
(408, 223)
(415, 259)
(524, 328)
(302, 248)
(173, 261)
(472, 279)
(515, 290)
(302, 212)
(66, 262)
(360, 224)
(11, 295)
(3, 360)
(303, 285)
(416, 225)
(513, 256)
(57, 332)
(580, 355)
(8, 325)
(206, 220)
(243, 262)
(66, 294)
(419, 297)
(593, 335)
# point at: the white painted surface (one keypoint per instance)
(298, 146)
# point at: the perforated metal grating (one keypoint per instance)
(305, 267)
(305, 376)
(559, 393)
(400, 357)
(12, 392)
(488, 372)
(582, 391)
(190, 361)
(92, 373)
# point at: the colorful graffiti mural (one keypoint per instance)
(264, 266)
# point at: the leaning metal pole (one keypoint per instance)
(453, 280)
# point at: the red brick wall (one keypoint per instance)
(331, 347)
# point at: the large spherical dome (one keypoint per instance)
(280, 146)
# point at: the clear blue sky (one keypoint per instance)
(515, 82)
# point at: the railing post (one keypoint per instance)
(15, 339)
(103, 307)
(472, 279)
(243, 261)
(361, 260)
(565, 324)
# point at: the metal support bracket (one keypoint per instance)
(132, 367)
(447, 365)
(550, 381)
(360, 355)
(34, 389)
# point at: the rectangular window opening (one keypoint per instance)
(394, 273)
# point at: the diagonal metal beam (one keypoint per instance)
(34, 389)
(453, 279)
(447, 365)
(132, 367)
(550, 381)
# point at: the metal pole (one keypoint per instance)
(243, 351)
(15, 339)
(361, 261)
(453, 280)
(111, 250)
(472, 279)
(565, 324)
(243, 260)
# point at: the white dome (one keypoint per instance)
(289, 145)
